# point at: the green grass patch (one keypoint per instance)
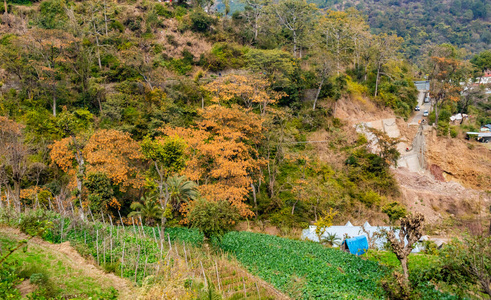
(416, 261)
(53, 276)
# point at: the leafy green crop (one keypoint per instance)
(325, 273)
(308, 270)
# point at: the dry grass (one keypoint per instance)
(187, 272)
(175, 42)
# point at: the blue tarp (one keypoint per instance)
(357, 245)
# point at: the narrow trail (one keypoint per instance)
(66, 253)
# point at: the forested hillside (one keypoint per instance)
(462, 23)
(121, 115)
(103, 103)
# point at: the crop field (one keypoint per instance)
(308, 270)
(304, 269)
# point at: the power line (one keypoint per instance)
(306, 142)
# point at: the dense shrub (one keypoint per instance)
(213, 218)
(201, 21)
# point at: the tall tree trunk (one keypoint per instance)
(256, 26)
(318, 91)
(105, 15)
(255, 199)
(294, 43)
(54, 100)
(293, 208)
(436, 112)
(17, 194)
(377, 79)
(6, 7)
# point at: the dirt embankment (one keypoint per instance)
(457, 172)
(438, 200)
(468, 163)
(360, 109)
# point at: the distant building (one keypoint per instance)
(350, 231)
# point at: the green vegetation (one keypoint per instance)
(123, 113)
(52, 275)
(309, 270)
(463, 23)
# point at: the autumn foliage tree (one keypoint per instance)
(221, 155)
(249, 89)
(110, 152)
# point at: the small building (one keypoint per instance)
(458, 117)
(357, 245)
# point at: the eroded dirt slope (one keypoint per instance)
(468, 163)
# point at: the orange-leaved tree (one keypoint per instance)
(222, 154)
(249, 89)
(110, 152)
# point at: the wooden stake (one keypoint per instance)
(245, 293)
(185, 254)
(161, 248)
(145, 270)
(218, 276)
(133, 221)
(97, 243)
(137, 261)
(258, 295)
(121, 219)
(170, 245)
(141, 224)
(122, 260)
(203, 270)
(154, 235)
(111, 241)
(62, 226)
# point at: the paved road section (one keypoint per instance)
(418, 115)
